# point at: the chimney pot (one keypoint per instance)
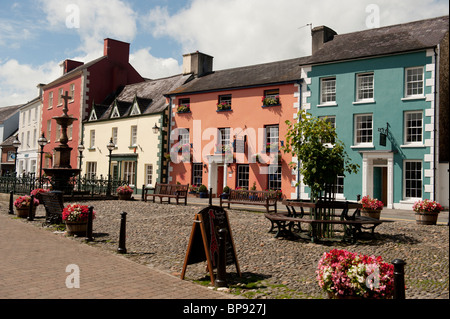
(197, 63)
(320, 36)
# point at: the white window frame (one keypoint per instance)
(274, 177)
(149, 174)
(408, 81)
(272, 138)
(361, 89)
(129, 171)
(356, 129)
(91, 170)
(327, 91)
(50, 100)
(114, 135)
(60, 94)
(133, 136)
(243, 174)
(92, 139)
(412, 198)
(407, 128)
(72, 92)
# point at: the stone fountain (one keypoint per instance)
(62, 171)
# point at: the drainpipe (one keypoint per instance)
(298, 161)
(436, 75)
(169, 129)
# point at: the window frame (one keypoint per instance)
(149, 174)
(406, 82)
(278, 177)
(405, 180)
(356, 130)
(133, 135)
(361, 90)
(197, 179)
(240, 178)
(406, 129)
(322, 93)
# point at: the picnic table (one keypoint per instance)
(322, 216)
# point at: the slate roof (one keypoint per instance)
(149, 96)
(7, 111)
(393, 39)
(247, 76)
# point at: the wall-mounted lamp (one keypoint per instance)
(155, 129)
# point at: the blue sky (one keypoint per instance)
(36, 35)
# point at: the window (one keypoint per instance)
(223, 139)
(274, 177)
(72, 92)
(271, 97)
(242, 176)
(92, 139)
(197, 173)
(114, 135)
(414, 82)
(91, 170)
(133, 140)
(332, 121)
(328, 91)
(339, 186)
(224, 102)
(60, 94)
(412, 179)
(184, 136)
(272, 135)
(135, 109)
(129, 172)
(58, 132)
(184, 105)
(49, 129)
(149, 174)
(413, 128)
(363, 129)
(50, 100)
(364, 87)
(115, 113)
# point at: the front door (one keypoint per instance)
(220, 169)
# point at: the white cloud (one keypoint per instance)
(151, 67)
(239, 32)
(18, 81)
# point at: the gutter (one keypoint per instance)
(436, 75)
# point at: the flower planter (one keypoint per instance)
(76, 228)
(126, 196)
(373, 213)
(203, 195)
(336, 296)
(426, 218)
(23, 212)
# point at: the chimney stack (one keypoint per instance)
(116, 51)
(69, 65)
(321, 35)
(197, 63)
(40, 87)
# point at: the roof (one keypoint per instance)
(7, 111)
(247, 76)
(149, 96)
(9, 141)
(393, 39)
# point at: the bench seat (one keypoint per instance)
(267, 199)
(177, 191)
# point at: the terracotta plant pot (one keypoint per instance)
(426, 218)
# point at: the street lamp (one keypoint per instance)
(80, 150)
(110, 146)
(16, 143)
(42, 141)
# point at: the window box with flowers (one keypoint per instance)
(22, 205)
(427, 212)
(184, 109)
(223, 106)
(270, 100)
(345, 275)
(124, 192)
(76, 218)
(371, 207)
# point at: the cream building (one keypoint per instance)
(136, 121)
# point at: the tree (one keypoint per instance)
(321, 155)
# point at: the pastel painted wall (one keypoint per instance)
(389, 106)
(248, 115)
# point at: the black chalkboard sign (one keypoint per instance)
(204, 240)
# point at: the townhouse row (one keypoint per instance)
(385, 90)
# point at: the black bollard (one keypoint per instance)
(123, 223)
(11, 200)
(89, 224)
(221, 280)
(30, 211)
(399, 278)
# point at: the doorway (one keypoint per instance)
(380, 184)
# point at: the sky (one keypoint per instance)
(37, 35)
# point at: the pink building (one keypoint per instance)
(227, 126)
(86, 83)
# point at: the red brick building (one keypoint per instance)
(95, 81)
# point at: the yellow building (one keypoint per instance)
(136, 122)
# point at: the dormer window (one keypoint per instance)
(115, 112)
(135, 109)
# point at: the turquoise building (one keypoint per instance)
(386, 92)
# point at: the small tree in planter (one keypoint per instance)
(322, 156)
(203, 191)
(226, 192)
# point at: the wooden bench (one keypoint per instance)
(267, 199)
(168, 191)
(54, 204)
(353, 225)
